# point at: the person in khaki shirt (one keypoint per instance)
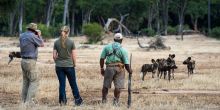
(64, 55)
(116, 59)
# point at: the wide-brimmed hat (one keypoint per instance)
(65, 28)
(32, 26)
(118, 36)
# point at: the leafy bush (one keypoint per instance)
(148, 32)
(215, 32)
(93, 31)
(46, 32)
(186, 27)
(172, 30)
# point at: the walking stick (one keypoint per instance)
(129, 85)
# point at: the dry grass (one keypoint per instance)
(204, 50)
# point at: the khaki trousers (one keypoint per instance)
(30, 80)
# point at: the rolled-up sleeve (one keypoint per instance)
(37, 40)
(125, 57)
(103, 54)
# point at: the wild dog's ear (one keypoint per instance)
(170, 55)
(173, 56)
(158, 60)
(189, 58)
(152, 60)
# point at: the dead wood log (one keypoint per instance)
(111, 20)
(158, 43)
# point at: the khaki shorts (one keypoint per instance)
(116, 75)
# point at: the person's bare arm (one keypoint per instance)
(127, 67)
(101, 62)
(73, 55)
(55, 55)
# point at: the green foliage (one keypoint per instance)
(148, 32)
(172, 30)
(186, 27)
(197, 8)
(215, 32)
(46, 32)
(93, 31)
(100, 10)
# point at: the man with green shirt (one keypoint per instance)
(116, 59)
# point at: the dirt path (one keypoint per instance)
(166, 91)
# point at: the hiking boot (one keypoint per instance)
(116, 102)
(63, 102)
(104, 100)
(78, 101)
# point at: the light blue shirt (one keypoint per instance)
(29, 43)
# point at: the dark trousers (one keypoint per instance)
(69, 72)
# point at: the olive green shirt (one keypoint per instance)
(120, 55)
(64, 54)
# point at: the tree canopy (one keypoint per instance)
(154, 14)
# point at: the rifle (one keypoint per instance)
(129, 85)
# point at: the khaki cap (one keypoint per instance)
(65, 28)
(32, 26)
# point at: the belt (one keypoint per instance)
(117, 64)
(29, 58)
(112, 65)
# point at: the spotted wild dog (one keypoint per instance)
(173, 66)
(190, 65)
(162, 67)
(148, 68)
(165, 66)
(13, 55)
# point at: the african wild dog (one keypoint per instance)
(162, 67)
(190, 65)
(13, 55)
(148, 68)
(166, 66)
(173, 64)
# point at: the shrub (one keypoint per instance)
(215, 32)
(93, 31)
(186, 27)
(46, 32)
(172, 30)
(148, 32)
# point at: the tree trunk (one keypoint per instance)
(181, 13)
(21, 16)
(195, 25)
(67, 18)
(158, 18)
(50, 8)
(11, 22)
(165, 15)
(66, 3)
(89, 15)
(209, 16)
(150, 17)
(72, 22)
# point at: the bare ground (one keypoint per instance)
(199, 91)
